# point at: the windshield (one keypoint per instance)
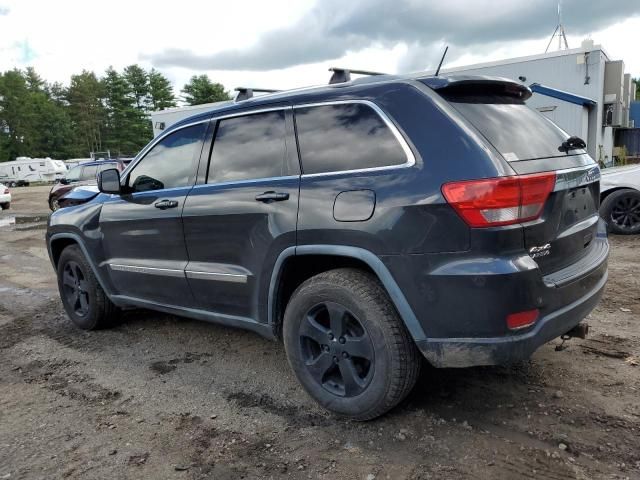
(515, 130)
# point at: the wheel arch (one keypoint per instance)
(606, 193)
(59, 241)
(287, 276)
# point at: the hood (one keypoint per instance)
(627, 176)
(82, 193)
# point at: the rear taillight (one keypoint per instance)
(499, 201)
(516, 321)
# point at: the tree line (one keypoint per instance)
(93, 113)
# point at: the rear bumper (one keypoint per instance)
(462, 303)
(467, 352)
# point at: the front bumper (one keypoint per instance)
(467, 352)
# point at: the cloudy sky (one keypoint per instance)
(291, 43)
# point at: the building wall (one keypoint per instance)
(570, 117)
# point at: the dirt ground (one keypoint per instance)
(166, 397)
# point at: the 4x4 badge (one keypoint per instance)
(543, 251)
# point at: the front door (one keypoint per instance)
(142, 228)
(244, 214)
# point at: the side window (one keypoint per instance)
(249, 147)
(171, 163)
(347, 136)
(74, 174)
(89, 172)
(107, 166)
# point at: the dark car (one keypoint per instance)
(84, 174)
(363, 223)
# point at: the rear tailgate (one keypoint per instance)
(530, 143)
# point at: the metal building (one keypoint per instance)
(582, 90)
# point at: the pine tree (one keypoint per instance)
(86, 111)
(127, 127)
(14, 115)
(160, 91)
(138, 82)
(201, 89)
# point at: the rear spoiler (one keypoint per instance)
(470, 85)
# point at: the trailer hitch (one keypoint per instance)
(579, 331)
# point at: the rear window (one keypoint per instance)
(514, 129)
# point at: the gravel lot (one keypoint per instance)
(165, 397)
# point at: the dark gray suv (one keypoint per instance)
(365, 223)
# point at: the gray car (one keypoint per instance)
(620, 199)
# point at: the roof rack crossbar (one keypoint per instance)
(343, 75)
(245, 93)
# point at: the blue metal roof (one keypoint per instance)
(561, 95)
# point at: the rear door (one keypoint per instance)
(142, 229)
(242, 214)
(531, 143)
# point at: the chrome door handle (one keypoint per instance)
(164, 204)
(268, 197)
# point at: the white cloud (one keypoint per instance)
(65, 37)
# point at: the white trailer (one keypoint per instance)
(25, 170)
(163, 119)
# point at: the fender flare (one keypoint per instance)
(373, 261)
(78, 239)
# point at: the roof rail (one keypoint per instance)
(343, 75)
(245, 93)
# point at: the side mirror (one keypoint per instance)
(64, 181)
(109, 181)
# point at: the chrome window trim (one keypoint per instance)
(167, 272)
(251, 180)
(223, 277)
(244, 113)
(411, 159)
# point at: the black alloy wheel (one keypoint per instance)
(626, 213)
(336, 349)
(75, 288)
(347, 345)
(621, 211)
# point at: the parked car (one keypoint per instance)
(84, 174)
(5, 197)
(401, 216)
(620, 199)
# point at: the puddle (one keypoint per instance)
(27, 222)
(31, 219)
(7, 221)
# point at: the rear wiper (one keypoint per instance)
(572, 143)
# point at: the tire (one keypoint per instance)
(5, 206)
(369, 365)
(621, 211)
(54, 205)
(82, 296)
(12, 184)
